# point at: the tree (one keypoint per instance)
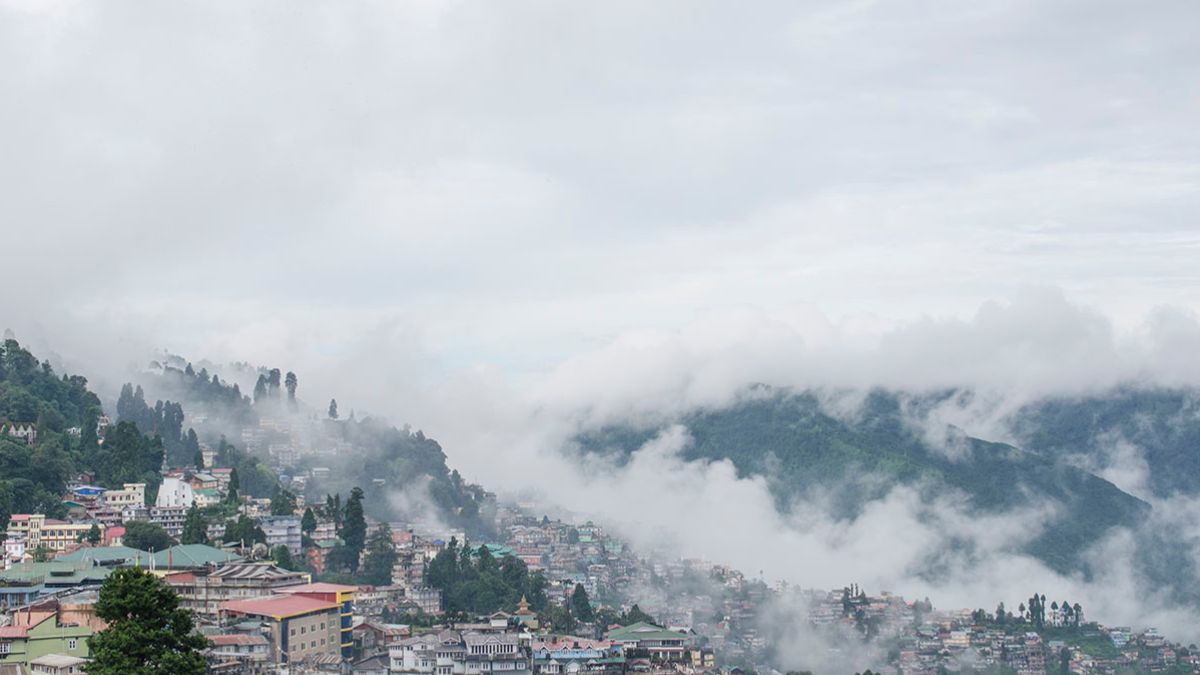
(290, 382)
(146, 536)
(93, 534)
(581, 607)
(333, 414)
(283, 503)
(274, 379)
(636, 615)
(260, 389)
(195, 528)
(232, 496)
(308, 523)
(380, 559)
(243, 531)
(147, 632)
(354, 526)
(191, 446)
(283, 558)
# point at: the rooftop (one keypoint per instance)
(319, 588)
(278, 606)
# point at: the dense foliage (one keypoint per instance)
(65, 412)
(147, 536)
(472, 580)
(386, 457)
(148, 633)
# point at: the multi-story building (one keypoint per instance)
(282, 531)
(203, 592)
(39, 631)
(132, 494)
(207, 497)
(56, 535)
(299, 628)
(175, 491)
(239, 652)
(170, 517)
(337, 593)
(452, 652)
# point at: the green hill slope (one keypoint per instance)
(791, 439)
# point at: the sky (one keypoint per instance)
(485, 219)
(510, 185)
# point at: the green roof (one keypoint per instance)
(644, 631)
(208, 492)
(497, 551)
(186, 556)
(101, 555)
(55, 573)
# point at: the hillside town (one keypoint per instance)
(263, 607)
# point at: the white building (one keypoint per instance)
(451, 652)
(175, 491)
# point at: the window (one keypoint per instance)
(72, 643)
(312, 645)
(303, 630)
(4, 647)
(293, 632)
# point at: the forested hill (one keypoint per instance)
(403, 473)
(1156, 425)
(64, 411)
(794, 440)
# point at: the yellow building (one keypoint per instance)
(56, 535)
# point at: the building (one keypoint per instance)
(203, 592)
(571, 655)
(24, 432)
(282, 531)
(452, 652)
(343, 596)
(57, 664)
(176, 492)
(239, 652)
(56, 535)
(46, 634)
(192, 557)
(170, 517)
(649, 641)
(207, 497)
(132, 494)
(299, 628)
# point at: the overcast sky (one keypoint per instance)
(506, 186)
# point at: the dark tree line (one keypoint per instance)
(473, 580)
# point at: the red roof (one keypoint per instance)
(319, 587)
(236, 639)
(19, 516)
(11, 632)
(279, 606)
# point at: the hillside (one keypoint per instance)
(64, 412)
(1160, 425)
(801, 447)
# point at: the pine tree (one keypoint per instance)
(195, 528)
(147, 631)
(308, 524)
(354, 526)
(232, 496)
(581, 607)
(333, 413)
(380, 558)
